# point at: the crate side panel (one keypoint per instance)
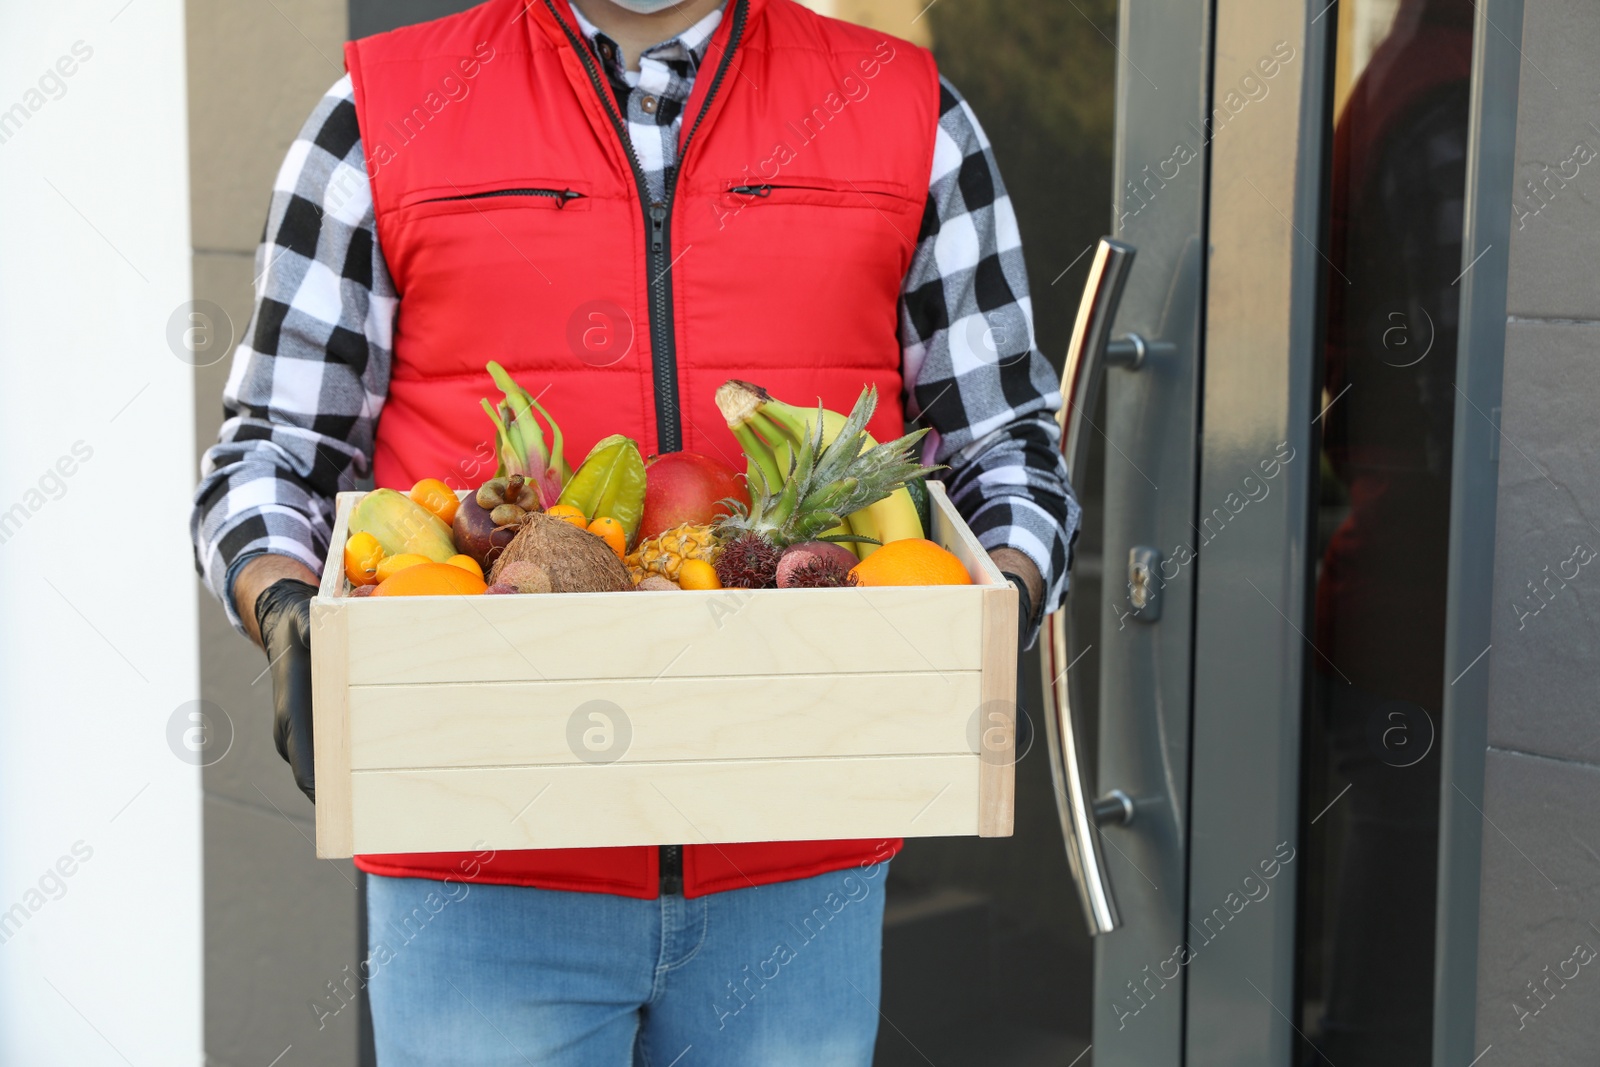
(673, 634)
(333, 580)
(998, 741)
(654, 804)
(330, 662)
(640, 720)
(952, 533)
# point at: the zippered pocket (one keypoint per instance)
(473, 198)
(561, 197)
(822, 192)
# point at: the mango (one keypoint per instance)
(401, 525)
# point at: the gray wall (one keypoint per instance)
(279, 924)
(1541, 836)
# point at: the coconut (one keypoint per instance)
(576, 561)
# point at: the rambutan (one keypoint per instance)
(818, 572)
(749, 561)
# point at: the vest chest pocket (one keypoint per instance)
(519, 196)
(864, 194)
(866, 223)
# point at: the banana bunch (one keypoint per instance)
(774, 434)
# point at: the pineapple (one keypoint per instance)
(665, 553)
(824, 482)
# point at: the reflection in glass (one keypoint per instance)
(1372, 763)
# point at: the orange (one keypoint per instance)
(438, 498)
(698, 574)
(362, 555)
(431, 579)
(612, 533)
(398, 562)
(466, 563)
(570, 513)
(911, 561)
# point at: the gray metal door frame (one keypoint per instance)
(1211, 466)
(1151, 421)
(1474, 492)
(1258, 464)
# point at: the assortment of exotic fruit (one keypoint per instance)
(820, 504)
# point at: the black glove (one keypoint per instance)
(283, 612)
(1024, 620)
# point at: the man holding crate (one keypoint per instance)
(753, 191)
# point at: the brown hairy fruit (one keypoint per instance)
(575, 560)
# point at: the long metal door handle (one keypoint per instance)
(1081, 378)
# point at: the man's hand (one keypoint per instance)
(282, 617)
(1010, 561)
(254, 578)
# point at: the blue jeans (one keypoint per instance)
(473, 975)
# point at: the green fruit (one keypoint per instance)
(918, 488)
(402, 525)
(610, 483)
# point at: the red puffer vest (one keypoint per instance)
(517, 228)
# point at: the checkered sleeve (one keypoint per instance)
(972, 372)
(311, 371)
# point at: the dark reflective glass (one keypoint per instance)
(1371, 801)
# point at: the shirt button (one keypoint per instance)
(649, 104)
(607, 51)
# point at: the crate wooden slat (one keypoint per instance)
(446, 723)
(487, 724)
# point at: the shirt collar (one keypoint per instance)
(688, 47)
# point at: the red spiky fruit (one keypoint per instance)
(748, 562)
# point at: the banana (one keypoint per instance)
(770, 430)
(893, 518)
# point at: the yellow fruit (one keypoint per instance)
(570, 513)
(698, 574)
(438, 498)
(911, 561)
(665, 553)
(393, 565)
(401, 525)
(612, 533)
(362, 554)
(431, 579)
(466, 563)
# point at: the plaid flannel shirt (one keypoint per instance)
(311, 371)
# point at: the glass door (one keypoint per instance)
(1373, 713)
(1245, 704)
(1325, 595)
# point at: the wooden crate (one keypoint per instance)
(594, 719)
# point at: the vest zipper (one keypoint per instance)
(658, 230)
(561, 196)
(671, 869)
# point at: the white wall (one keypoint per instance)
(97, 594)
